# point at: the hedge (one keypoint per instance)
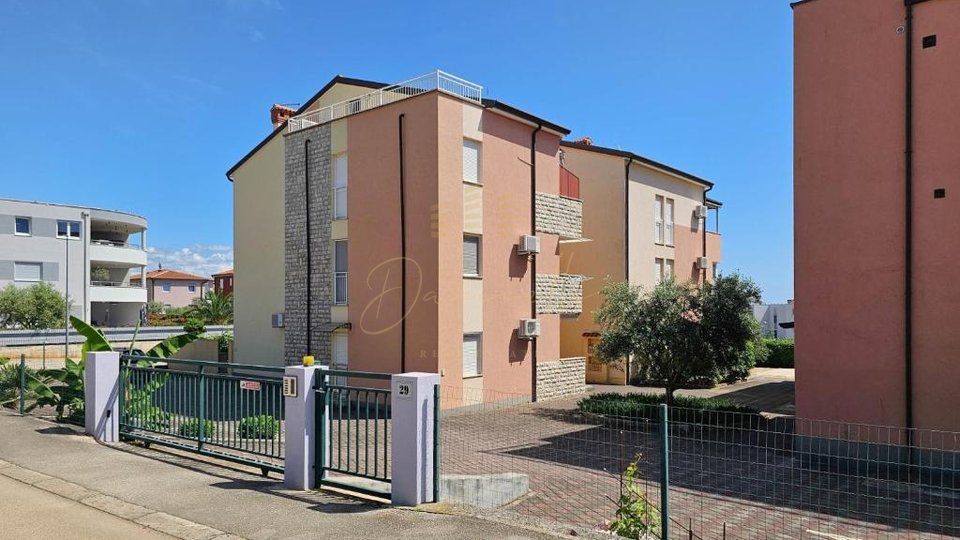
(780, 353)
(714, 411)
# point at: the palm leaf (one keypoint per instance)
(171, 345)
(96, 341)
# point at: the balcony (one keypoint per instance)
(117, 291)
(437, 80)
(559, 294)
(117, 253)
(569, 184)
(559, 215)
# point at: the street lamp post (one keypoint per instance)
(66, 296)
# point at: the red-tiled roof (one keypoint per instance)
(172, 275)
(224, 273)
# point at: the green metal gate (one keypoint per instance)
(354, 429)
(233, 412)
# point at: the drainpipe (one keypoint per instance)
(403, 255)
(704, 235)
(908, 232)
(626, 239)
(306, 183)
(533, 259)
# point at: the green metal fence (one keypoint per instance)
(354, 425)
(233, 412)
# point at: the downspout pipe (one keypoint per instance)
(704, 235)
(627, 163)
(403, 253)
(533, 259)
(306, 198)
(908, 230)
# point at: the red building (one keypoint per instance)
(223, 282)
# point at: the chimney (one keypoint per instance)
(584, 140)
(279, 114)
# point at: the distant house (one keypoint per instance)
(776, 320)
(173, 288)
(223, 282)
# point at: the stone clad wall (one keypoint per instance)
(559, 294)
(565, 377)
(559, 215)
(295, 243)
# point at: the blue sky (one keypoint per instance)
(142, 105)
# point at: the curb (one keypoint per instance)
(145, 517)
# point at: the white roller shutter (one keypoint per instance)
(24, 271)
(472, 362)
(471, 161)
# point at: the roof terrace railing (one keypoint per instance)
(437, 80)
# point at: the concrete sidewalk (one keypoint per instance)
(223, 497)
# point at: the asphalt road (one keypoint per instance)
(29, 512)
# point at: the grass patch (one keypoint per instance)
(713, 411)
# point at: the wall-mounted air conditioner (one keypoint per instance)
(276, 320)
(529, 328)
(700, 211)
(528, 245)
(702, 263)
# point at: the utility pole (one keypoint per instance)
(66, 296)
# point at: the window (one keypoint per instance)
(471, 255)
(471, 161)
(165, 287)
(472, 355)
(662, 269)
(27, 271)
(192, 288)
(716, 270)
(22, 226)
(667, 268)
(658, 219)
(68, 229)
(340, 187)
(668, 221)
(340, 272)
(340, 359)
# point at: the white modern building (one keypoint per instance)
(85, 253)
(776, 320)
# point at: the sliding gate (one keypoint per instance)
(354, 429)
(228, 411)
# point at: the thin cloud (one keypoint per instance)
(201, 259)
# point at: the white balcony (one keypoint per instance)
(437, 80)
(117, 254)
(108, 291)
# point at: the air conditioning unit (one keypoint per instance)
(528, 245)
(276, 320)
(700, 212)
(529, 328)
(702, 263)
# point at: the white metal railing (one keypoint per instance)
(113, 243)
(436, 80)
(124, 284)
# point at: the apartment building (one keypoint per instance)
(173, 288)
(223, 282)
(876, 168)
(85, 253)
(408, 227)
(643, 221)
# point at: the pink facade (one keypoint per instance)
(850, 212)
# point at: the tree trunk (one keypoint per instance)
(669, 395)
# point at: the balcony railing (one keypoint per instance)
(437, 80)
(124, 284)
(569, 184)
(113, 243)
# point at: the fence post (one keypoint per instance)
(300, 445)
(664, 472)
(101, 394)
(436, 443)
(201, 406)
(23, 384)
(412, 414)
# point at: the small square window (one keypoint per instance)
(23, 226)
(165, 287)
(939, 193)
(929, 41)
(192, 288)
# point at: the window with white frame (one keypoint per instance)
(22, 226)
(657, 270)
(658, 219)
(716, 270)
(472, 355)
(192, 288)
(165, 286)
(340, 187)
(471, 255)
(68, 229)
(340, 357)
(667, 268)
(340, 272)
(668, 221)
(471, 161)
(27, 271)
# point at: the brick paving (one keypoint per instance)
(745, 482)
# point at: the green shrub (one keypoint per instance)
(191, 428)
(194, 326)
(685, 409)
(258, 427)
(780, 353)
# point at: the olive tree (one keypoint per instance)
(35, 307)
(680, 333)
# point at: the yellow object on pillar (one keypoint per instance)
(307, 361)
